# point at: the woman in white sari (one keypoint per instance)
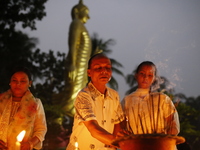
(20, 110)
(147, 111)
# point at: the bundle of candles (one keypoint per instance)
(151, 120)
(148, 118)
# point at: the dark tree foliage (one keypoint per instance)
(189, 115)
(26, 12)
(16, 48)
(51, 68)
(17, 51)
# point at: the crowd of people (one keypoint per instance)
(100, 116)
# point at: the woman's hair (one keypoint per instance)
(22, 69)
(156, 84)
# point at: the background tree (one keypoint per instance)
(17, 50)
(15, 47)
(189, 115)
(26, 12)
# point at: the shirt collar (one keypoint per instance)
(142, 93)
(95, 93)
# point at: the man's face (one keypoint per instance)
(100, 71)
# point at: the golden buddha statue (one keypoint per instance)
(79, 43)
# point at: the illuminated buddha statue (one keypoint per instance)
(79, 53)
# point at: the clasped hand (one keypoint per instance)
(26, 146)
(3, 145)
(123, 132)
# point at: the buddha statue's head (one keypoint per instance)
(80, 11)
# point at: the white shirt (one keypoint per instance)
(90, 104)
(147, 112)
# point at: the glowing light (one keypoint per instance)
(76, 145)
(19, 139)
(21, 136)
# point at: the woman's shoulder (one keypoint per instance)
(161, 96)
(134, 93)
(130, 96)
(37, 99)
(159, 93)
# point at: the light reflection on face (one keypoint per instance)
(19, 84)
(100, 70)
(145, 76)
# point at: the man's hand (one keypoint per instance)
(3, 145)
(123, 132)
(26, 146)
(98, 132)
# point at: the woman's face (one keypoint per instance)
(145, 76)
(19, 84)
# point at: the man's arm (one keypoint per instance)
(98, 132)
(117, 129)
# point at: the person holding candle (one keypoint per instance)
(20, 110)
(148, 111)
(98, 109)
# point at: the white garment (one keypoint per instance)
(90, 104)
(147, 112)
(28, 115)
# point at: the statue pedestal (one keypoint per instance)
(148, 142)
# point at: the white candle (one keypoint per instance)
(19, 139)
(76, 145)
(17, 147)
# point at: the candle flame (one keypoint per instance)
(76, 144)
(21, 136)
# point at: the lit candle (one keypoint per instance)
(76, 145)
(19, 139)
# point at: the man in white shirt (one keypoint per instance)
(98, 110)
